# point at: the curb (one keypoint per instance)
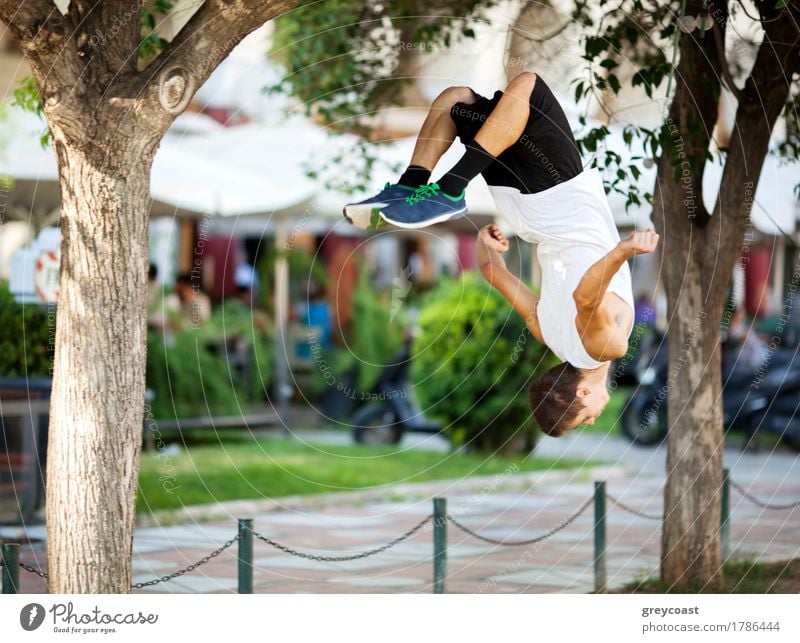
(385, 493)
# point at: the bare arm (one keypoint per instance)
(602, 336)
(489, 245)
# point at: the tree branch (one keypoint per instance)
(763, 99)
(203, 43)
(43, 34)
(107, 33)
(723, 62)
(23, 16)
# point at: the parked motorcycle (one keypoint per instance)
(389, 410)
(755, 400)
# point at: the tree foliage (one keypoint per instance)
(342, 56)
(345, 60)
(640, 37)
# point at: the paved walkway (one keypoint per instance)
(500, 510)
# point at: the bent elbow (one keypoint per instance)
(617, 350)
(582, 301)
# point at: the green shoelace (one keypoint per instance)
(422, 193)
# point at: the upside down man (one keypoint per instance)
(521, 143)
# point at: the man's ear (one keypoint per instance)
(582, 391)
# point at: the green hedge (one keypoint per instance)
(27, 337)
(473, 361)
(189, 373)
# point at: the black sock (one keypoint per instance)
(414, 176)
(475, 160)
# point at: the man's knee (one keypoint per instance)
(453, 95)
(522, 84)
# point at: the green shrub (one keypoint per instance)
(473, 361)
(377, 333)
(233, 318)
(189, 374)
(27, 337)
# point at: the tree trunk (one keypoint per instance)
(690, 545)
(702, 250)
(99, 372)
(690, 536)
(107, 115)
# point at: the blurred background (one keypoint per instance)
(276, 327)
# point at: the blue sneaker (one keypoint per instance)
(428, 205)
(364, 214)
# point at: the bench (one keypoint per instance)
(251, 420)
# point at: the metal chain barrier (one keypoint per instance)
(33, 570)
(516, 543)
(408, 534)
(761, 503)
(336, 559)
(155, 581)
(190, 568)
(631, 510)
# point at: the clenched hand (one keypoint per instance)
(639, 243)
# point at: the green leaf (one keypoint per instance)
(614, 82)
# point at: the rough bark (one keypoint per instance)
(98, 383)
(700, 251)
(107, 118)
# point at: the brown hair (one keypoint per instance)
(554, 401)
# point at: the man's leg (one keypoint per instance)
(435, 136)
(444, 199)
(501, 130)
(439, 131)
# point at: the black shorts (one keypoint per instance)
(545, 154)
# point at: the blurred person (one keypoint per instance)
(159, 305)
(751, 350)
(644, 311)
(195, 305)
(245, 279)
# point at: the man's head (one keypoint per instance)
(564, 398)
(183, 285)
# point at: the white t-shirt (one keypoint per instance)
(573, 226)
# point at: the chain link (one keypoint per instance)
(761, 503)
(630, 509)
(337, 559)
(33, 570)
(190, 568)
(514, 543)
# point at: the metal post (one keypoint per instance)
(439, 544)
(725, 517)
(245, 555)
(10, 568)
(281, 377)
(599, 537)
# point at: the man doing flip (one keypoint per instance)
(521, 143)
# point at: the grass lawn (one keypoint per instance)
(741, 577)
(274, 467)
